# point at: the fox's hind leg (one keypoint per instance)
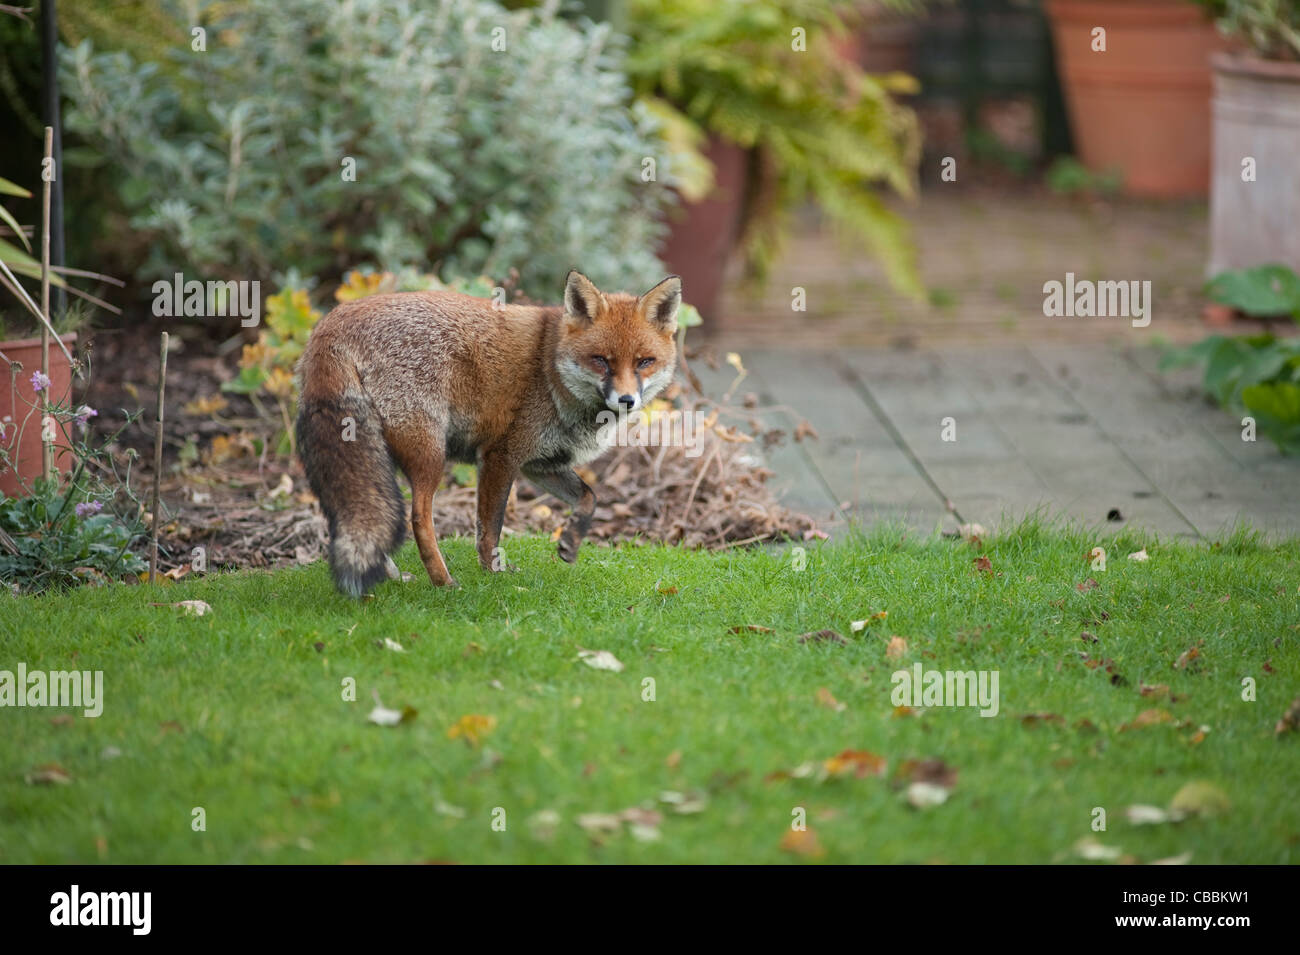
(422, 462)
(574, 491)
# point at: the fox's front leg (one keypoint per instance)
(574, 491)
(496, 474)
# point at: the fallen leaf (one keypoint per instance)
(1089, 848)
(925, 795)
(752, 628)
(601, 660)
(858, 762)
(802, 842)
(543, 823)
(1290, 720)
(1147, 718)
(896, 649)
(933, 771)
(1141, 815)
(685, 803)
(193, 608)
(393, 645)
(1086, 586)
(983, 565)
(1188, 656)
(1156, 689)
(1200, 798)
(822, 636)
(857, 626)
(1033, 719)
(473, 727)
(383, 716)
(827, 699)
(600, 822)
(1139, 555)
(447, 809)
(50, 774)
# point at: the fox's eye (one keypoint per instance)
(645, 363)
(600, 361)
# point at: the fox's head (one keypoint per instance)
(617, 350)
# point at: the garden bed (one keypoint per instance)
(225, 490)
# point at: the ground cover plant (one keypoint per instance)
(755, 686)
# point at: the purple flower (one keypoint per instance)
(84, 414)
(87, 508)
(40, 381)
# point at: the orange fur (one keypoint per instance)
(416, 379)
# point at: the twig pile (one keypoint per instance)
(714, 497)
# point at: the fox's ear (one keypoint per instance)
(581, 299)
(660, 304)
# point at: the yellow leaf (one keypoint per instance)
(472, 727)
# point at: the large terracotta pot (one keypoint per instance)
(16, 400)
(1143, 105)
(1253, 221)
(704, 234)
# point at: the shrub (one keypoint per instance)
(238, 159)
(1256, 375)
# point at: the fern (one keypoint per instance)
(819, 128)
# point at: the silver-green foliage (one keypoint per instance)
(467, 158)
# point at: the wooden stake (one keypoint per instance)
(48, 171)
(157, 462)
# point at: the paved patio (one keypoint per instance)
(1070, 417)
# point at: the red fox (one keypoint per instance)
(414, 379)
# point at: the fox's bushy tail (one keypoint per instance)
(352, 472)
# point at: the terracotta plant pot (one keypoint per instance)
(16, 400)
(1256, 116)
(1143, 105)
(704, 234)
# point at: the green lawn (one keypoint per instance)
(240, 712)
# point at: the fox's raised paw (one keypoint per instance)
(567, 547)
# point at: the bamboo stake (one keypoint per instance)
(157, 462)
(47, 453)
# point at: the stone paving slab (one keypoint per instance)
(1071, 431)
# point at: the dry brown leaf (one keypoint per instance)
(802, 842)
(856, 762)
(1147, 718)
(827, 699)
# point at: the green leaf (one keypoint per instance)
(12, 223)
(1266, 290)
(1276, 408)
(8, 188)
(249, 381)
